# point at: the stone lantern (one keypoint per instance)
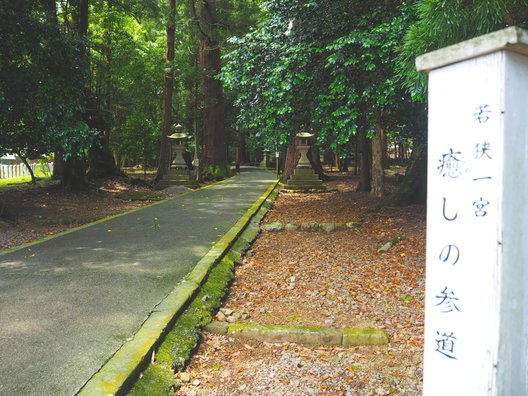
(303, 145)
(178, 173)
(264, 163)
(178, 139)
(304, 178)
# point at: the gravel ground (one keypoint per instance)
(332, 279)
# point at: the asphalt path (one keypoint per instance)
(68, 303)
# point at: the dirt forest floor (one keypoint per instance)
(31, 212)
(333, 279)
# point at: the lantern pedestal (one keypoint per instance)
(178, 177)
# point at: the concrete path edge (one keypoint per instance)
(120, 371)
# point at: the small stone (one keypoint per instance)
(291, 227)
(310, 226)
(220, 316)
(328, 227)
(196, 382)
(245, 316)
(385, 248)
(205, 298)
(236, 315)
(226, 311)
(262, 310)
(231, 319)
(293, 279)
(185, 377)
(329, 321)
(272, 227)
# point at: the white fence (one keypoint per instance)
(11, 171)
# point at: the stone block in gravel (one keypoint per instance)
(310, 226)
(291, 227)
(216, 327)
(355, 337)
(328, 227)
(272, 227)
(279, 333)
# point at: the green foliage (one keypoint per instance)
(319, 65)
(441, 23)
(127, 50)
(41, 76)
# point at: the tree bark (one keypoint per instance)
(378, 188)
(414, 185)
(364, 160)
(73, 174)
(83, 17)
(50, 10)
(413, 188)
(101, 161)
(215, 148)
(73, 169)
(58, 165)
(241, 150)
(164, 160)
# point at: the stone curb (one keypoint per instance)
(300, 334)
(121, 370)
(310, 226)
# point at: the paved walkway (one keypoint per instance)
(67, 304)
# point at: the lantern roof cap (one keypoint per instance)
(180, 135)
(304, 135)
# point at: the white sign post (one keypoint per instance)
(476, 307)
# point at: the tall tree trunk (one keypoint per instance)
(164, 160)
(197, 139)
(377, 163)
(215, 148)
(413, 188)
(83, 17)
(50, 10)
(73, 169)
(101, 161)
(73, 174)
(364, 154)
(241, 151)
